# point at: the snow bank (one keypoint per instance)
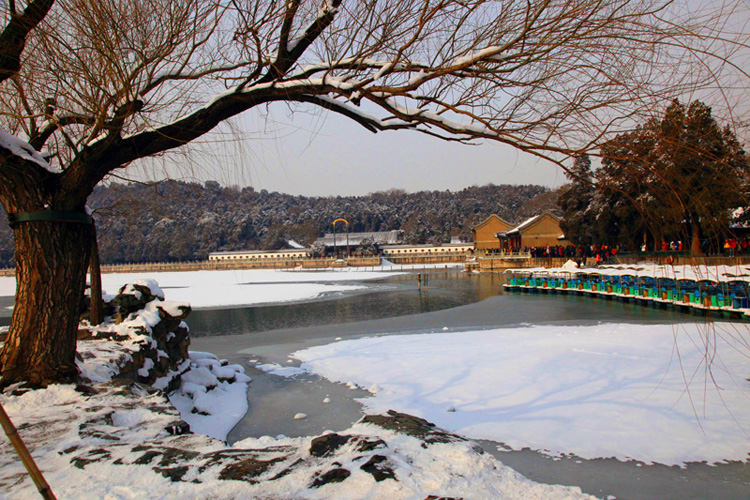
(115, 444)
(670, 394)
(150, 345)
(212, 396)
(204, 289)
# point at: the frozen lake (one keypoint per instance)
(453, 301)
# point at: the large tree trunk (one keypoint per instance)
(51, 262)
(695, 243)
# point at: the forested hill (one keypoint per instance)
(176, 221)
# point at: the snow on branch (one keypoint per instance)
(370, 122)
(290, 51)
(487, 54)
(24, 150)
(359, 64)
(194, 74)
(472, 130)
(327, 11)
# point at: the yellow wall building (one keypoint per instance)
(539, 231)
(484, 233)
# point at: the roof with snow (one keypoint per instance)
(354, 239)
(526, 224)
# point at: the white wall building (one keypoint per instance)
(422, 250)
(260, 255)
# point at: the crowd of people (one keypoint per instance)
(672, 246)
(735, 246)
(579, 253)
(602, 253)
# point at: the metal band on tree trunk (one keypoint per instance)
(51, 216)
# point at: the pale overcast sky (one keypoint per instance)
(324, 154)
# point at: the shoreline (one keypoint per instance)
(273, 400)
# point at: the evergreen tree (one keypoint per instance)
(575, 199)
(704, 168)
(674, 178)
(627, 211)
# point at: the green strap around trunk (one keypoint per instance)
(51, 216)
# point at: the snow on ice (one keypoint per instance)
(656, 393)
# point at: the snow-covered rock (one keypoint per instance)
(126, 441)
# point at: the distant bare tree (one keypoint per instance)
(102, 84)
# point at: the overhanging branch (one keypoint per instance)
(13, 37)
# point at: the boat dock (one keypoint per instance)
(719, 291)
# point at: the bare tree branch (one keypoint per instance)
(13, 37)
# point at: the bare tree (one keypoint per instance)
(103, 84)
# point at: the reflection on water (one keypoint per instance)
(392, 297)
(398, 298)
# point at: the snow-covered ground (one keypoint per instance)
(113, 445)
(655, 393)
(205, 289)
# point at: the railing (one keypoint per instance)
(348, 262)
(436, 258)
